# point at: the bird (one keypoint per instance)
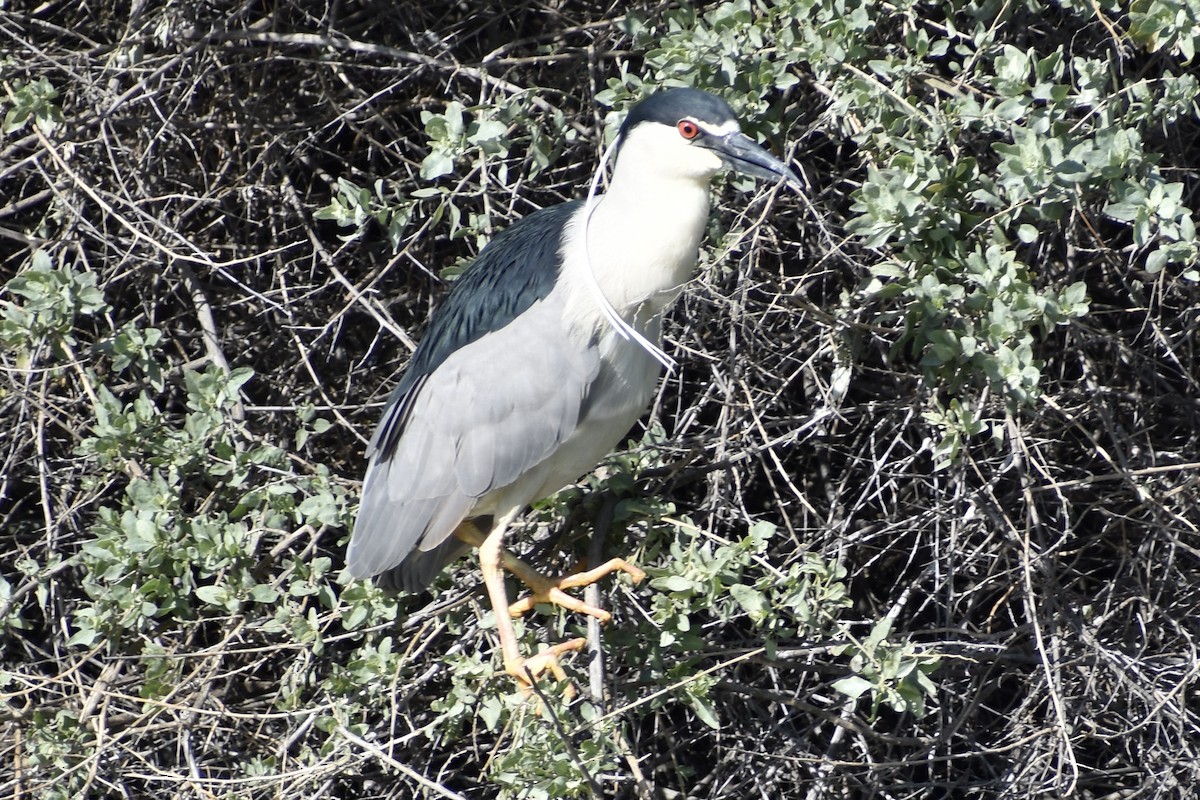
(541, 358)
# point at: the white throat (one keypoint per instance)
(642, 239)
(644, 234)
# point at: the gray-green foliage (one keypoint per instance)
(51, 299)
(185, 539)
(475, 141)
(354, 206)
(805, 602)
(32, 101)
(1164, 25)
(175, 528)
(958, 230)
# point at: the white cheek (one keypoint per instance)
(661, 151)
(712, 161)
(689, 160)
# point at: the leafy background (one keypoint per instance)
(919, 507)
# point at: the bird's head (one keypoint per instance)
(691, 134)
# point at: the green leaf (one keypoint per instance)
(487, 131)
(264, 593)
(213, 595)
(673, 583)
(751, 600)
(1156, 261)
(436, 164)
(704, 711)
(852, 686)
(489, 712)
(879, 632)
(84, 637)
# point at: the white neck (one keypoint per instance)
(644, 235)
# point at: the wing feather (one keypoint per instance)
(496, 386)
(492, 411)
(475, 462)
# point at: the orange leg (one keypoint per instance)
(524, 670)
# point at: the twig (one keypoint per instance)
(403, 769)
(591, 596)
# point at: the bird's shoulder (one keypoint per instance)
(516, 269)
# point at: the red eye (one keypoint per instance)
(688, 129)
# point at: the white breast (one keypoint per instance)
(642, 248)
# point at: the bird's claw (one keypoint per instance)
(550, 590)
(526, 671)
(544, 590)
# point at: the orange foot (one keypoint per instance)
(527, 671)
(492, 555)
(550, 590)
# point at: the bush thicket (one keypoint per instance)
(920, 506)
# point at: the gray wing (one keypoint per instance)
(420, 567)
(488, 413)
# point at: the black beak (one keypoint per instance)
(744, 155)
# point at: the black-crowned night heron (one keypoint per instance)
(542, 357)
